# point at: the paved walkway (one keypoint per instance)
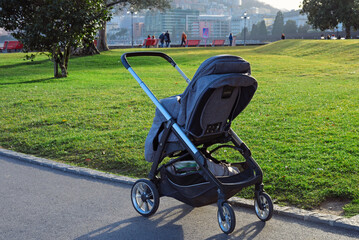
(42, 203)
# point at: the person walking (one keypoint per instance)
(162, 39)
(167, 39)
(230, 39)
(184, 39)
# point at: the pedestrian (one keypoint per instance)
(283, 36)
(230, 39)
(148, 39)
(184, 39)
(162, 39)
(167, 39)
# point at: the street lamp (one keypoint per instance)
(132, 11)
(245, 17)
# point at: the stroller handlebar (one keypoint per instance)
(151, 54)
(163, 110)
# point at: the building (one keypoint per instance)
(175, 21)
(237, 24)
(138, 30)
(218, 25)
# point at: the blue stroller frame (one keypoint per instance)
(230, 81)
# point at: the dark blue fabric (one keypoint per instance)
(215, 72)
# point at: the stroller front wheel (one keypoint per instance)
(263, 206)
(228, 223)
(145, 197)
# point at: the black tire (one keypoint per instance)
(145, 197)
(263, 207)
(228, 224)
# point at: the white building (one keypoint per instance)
(295, 15)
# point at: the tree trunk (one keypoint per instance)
(63, 70)
(67, 53)
(91, 49)
(61, 60)
(55, 59)
(347, 32)
(102, 39)
(56, 68)
(88, 49)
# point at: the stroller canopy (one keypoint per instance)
(221, 89)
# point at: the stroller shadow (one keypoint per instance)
(247, 232)
(163, 225)
(160, 226)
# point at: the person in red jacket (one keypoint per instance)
(184, 39)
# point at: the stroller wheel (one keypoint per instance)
(228, 223)
(145, 197)
(263, 207)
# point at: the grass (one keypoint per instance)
(302, 124)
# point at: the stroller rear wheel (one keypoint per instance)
(145, 197)
(228, 223)
(263, 206)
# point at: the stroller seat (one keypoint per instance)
(220, 89)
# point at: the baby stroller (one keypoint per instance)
(188, 129)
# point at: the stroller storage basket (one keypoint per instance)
(193, 189)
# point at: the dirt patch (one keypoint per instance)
(333, 206)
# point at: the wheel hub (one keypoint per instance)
(262, 206)
(144, 197)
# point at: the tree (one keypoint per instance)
(327, 14)
(262, 30)
(259, 31)
(136, 5)
(254, 32)
(55, 27)
(244, 33)
(278, 25)
(290, 27)
(303, 29)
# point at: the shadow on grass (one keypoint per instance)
(25, 63)
(43, 80)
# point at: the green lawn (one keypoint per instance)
(302, 124)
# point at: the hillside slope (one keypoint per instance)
(332, 50)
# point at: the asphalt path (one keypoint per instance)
(41, 203)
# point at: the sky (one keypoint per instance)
(284, 4)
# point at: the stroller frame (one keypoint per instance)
(148, 190)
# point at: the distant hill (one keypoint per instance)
(5, 36)
(213, 7)
(262, 7)
(2, 32)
